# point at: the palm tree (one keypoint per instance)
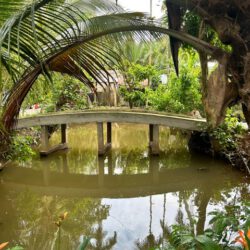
(100, 242)
(150, 241)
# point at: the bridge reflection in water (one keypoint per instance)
(106, 184)
(126, 198)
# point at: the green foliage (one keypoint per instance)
(162, 99)
(21, 148)
(192, 23)
(134, 96)
(142, 53)
(181, 238)
(226, 133)
(181, 94)
(39, 93)
(135, 68)
(63, 93)
(16, 248)
(192, 26)
(72, 96)
(224, 227)
(134, 75)
(84, 244)
(228, 222)
(137, 73)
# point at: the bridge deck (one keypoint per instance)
(118, 116)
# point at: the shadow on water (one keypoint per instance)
(125, 200)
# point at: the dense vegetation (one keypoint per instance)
(143, 61)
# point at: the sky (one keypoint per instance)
(143, 6)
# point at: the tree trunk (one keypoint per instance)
(245, 90)
(5, 142)
(130, 104)
(220, 94)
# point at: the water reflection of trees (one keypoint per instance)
(121, 161)
(150, 241)
(31, 217)
(35, 216)
(100, 242)
(193, 222)
(130, 148)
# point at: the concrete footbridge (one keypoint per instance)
(153, 119)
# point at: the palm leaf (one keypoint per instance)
(174, 22)
(8, 8)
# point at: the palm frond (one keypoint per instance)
(174, 22)
(8, 8)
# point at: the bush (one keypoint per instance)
(226, 133)
(181, 94)
(161, 100)
(135, 97)
(21, 148)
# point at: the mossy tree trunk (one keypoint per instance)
(230, 82)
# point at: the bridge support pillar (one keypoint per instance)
(63, 133)
(109, 132)
(45, 149)
(154, 139)
(154, 168)
(103, 148)
(101, 172)
(44, 137)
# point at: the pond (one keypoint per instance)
(125, 200)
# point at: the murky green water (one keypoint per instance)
(119, 201)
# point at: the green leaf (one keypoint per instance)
(207, 243)
(187, 239)
(84, 244)
(16, 248)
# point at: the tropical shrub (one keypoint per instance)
(72, 96)
(226, 133)
(63, 93)
(21, 148)
(181, 94)
(161, 99)
(228, 230)
(134, 74)
(135, 97)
